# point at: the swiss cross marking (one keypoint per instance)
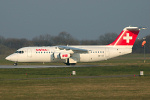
(127, 38)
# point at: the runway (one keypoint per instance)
(47, 66)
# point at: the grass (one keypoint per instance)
(65, 72)
(129, 88)
(16, 85)
(57, 84)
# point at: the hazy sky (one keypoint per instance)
(83, 19)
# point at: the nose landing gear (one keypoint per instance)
(15, 64)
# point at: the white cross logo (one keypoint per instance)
(127, 38)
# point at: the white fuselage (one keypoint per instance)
(51, 54)
(72, 54)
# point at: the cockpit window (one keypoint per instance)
(20, 52)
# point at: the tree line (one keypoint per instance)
(9, 45)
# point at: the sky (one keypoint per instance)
(83, 19)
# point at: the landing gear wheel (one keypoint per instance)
(15, 64)
(70, 63)
(67, 64)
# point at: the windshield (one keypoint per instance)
(19, 52)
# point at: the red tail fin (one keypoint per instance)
(127, 36)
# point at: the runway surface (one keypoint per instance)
(47, 66)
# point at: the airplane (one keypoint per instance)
(70, 55)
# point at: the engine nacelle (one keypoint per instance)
(64, 55)
(56, 55)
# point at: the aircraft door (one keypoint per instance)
(107, 52)
(29, 53)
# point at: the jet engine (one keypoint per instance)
(56, 55)
(61, 55)
(64, 55)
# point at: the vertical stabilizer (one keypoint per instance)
(127, 37)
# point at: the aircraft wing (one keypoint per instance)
(75, 50)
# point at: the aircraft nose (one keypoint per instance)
(12, 57)
(8, 58)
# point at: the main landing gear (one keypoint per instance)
(70, 61)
